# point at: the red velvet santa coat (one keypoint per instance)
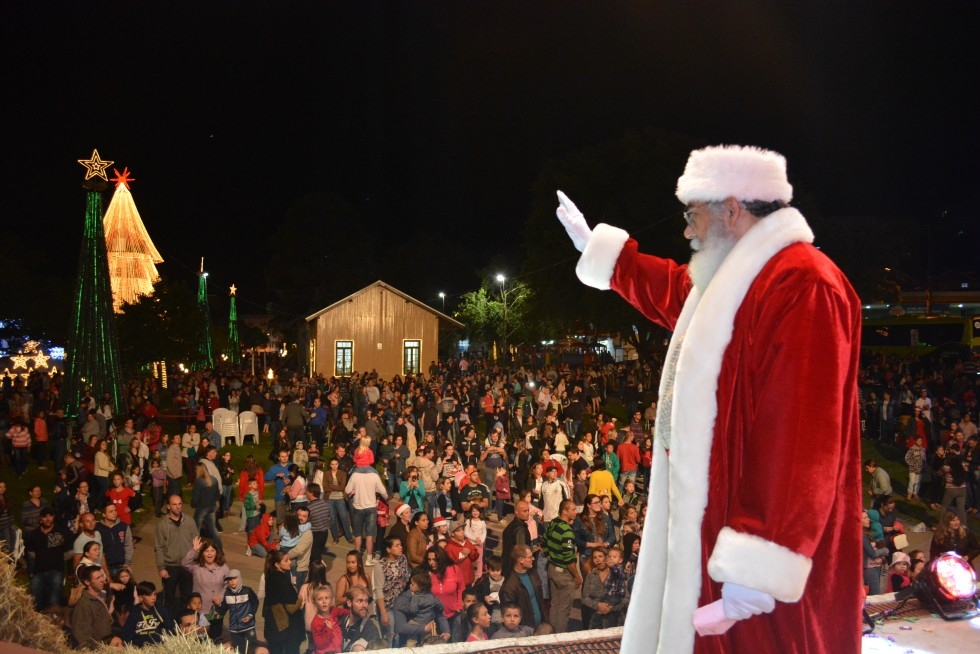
(762, 484)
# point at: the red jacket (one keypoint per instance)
(464, 563)
(262, 534)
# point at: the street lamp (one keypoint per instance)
(503, 295)
(442, 296)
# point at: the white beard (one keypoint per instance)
(709, 254)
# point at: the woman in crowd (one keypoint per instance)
(390, 579)
(447, 584)
(103, 467)
(591, 530)
(334, 482)
(418, 540)
(874, 553)
(282, 608)
(412, 491)
(297, 486)
(953, 536)
(204, 501)
(228, 475)
(208, 569)
(354, 575)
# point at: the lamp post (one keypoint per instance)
(442, 296)
(503, 296)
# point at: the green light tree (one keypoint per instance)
(206, 352)
(234, 345)
(93, 352)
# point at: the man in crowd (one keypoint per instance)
(91, 623)
(88, 532)
(515, 533)
(523, 586)
(174, 465)
(881, 483)
(319, 519)
(117, 541)
(48, 545)
(363, 488)
(473, 493)
(722, 545)
(563, 573)
(294, 417)
(175, 535)
(279, 473)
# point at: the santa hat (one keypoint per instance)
(743, 172)
(440, 521)
(401, 508)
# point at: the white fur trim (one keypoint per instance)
(598, 261)
(759, 564)
(742, 172)
(704, 329)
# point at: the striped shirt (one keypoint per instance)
(319, 514)
(559, 543)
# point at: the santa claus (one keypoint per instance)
(752, 540)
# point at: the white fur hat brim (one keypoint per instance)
(743, 172)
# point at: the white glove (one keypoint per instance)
(574, 222)
(741, 602)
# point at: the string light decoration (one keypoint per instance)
(95, 167)
(92, 359)
(234, 347)
(30, 353)
(132, 255)
(206, 348)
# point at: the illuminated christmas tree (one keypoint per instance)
(132, 256)
(206, 348)
(93, 352)
(234, 347)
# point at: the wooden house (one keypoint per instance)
(377, 328)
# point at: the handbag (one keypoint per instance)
(75, 594)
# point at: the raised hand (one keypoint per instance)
(573, 221)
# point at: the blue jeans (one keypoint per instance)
(20, 460)
(204, 517)
(259, 550)
(365, 522)
(340, 519)
(46, 588)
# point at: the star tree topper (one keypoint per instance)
(95, 166)
(122, 178)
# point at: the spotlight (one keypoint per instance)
(949, 586)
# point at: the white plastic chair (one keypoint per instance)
(226, 424)
(248, 425)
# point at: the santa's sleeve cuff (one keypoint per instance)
(759, 564)
(595, 266)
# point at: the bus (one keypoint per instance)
(919, 335)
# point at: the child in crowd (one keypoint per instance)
(440, 528)
(476, 531)
(487, 588)
(136, 483)
(300, 456)
(898, 572)
(326, 636)
(313, 454)
(630, 496)
(146, 623)
(478, 619)
(363, 456)
(195, 604)
(124, 595)
(251, 502)
(120, 495)
(260, 540)
(241, 604)
(460, 629)
(511, 626)
(418, 612)
(501, 488)
(158, 477)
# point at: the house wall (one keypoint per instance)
(375, 316)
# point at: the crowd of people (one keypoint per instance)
(412, 473)
(928, 414)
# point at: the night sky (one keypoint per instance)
(439, 116)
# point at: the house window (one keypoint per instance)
(344, 361)
(412, 354)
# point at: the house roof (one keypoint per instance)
(408, 298)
